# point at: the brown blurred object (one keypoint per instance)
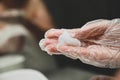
(2, 8)
(14, 44)
(36, 16)
(9, 47)
(2, 24)
(101, 77)
(37, 13)
(16, 4)
(117, 75)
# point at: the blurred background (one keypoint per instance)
(24, 22)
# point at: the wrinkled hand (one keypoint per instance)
(100, 43)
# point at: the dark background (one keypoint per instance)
(75, 13)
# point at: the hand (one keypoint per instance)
(100, 43)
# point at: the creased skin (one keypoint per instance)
(100, 43)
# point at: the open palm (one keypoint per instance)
(100, 43)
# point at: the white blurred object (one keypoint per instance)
(67, 39)
(24, 74)
(35, 58)
(12, 13)
(11, 62)
(10, 31)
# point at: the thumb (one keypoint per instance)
(92, 29)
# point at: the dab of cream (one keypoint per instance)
(67, 39)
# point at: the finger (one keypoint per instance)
(50, 41)
(96, 23)
(41, 44)
(51, 49)
(53, 33)
(92, 29)
(44, 42)
(73, 52)
(100, 77)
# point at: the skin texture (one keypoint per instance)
(100, 43)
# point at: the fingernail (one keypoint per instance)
(42, 45)
(52, 29)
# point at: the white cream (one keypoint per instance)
(67, 39)
(64, 39)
